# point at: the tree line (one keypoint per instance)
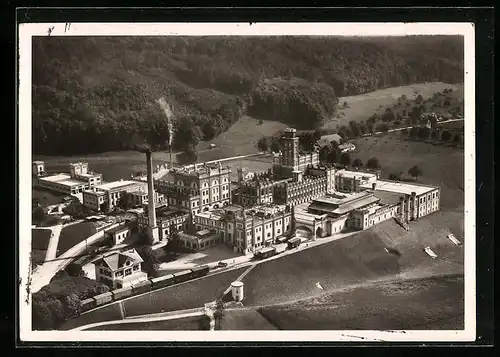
(94, 94)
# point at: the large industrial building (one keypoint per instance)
(197, 188)
(73, 183)
(247, 230)
(377, 202)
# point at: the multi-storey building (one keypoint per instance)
(291, 159)
(167, 221)
(377, 202)
(74, 183)
(120, 269)
(352, 181)
(197, 188)
(107, 196)
(247, 230)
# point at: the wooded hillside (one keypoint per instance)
(93, 94)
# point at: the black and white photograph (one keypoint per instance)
(247, 182)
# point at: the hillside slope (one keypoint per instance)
(92, 94)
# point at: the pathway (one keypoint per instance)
(179, 315)
(54, 241)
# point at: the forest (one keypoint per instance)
(96, 94)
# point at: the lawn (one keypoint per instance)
(39, 243)
(183, 296)
(431, 303)
(363, 106)
(46, 197)
(40, 238)
(108, 313)
(359, 259)
(74, 234)
(441, 165)
(245, 319)
(240, 139)
(183, 324)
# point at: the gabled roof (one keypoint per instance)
(117, 260)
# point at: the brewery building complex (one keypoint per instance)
(298, 196)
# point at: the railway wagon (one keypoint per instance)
(103, 298)
(142, 287)
(87, 304)
(183, 276)
(162, 281)
(200, 271)
(122, 293)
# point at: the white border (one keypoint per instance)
(26, 31)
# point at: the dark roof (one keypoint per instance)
(388, 198)
(116, 261)
(117, 229)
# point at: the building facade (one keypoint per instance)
(352, 181)
(118, 234)
(167, 221)
(247, 230)
(120, 269)
(199, 241)
(197, 188)
(106, 197)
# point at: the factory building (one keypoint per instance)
(377, 202)
(74, 183)
(197, 188)
(167, 221)
(247, 230)
(352, 181)
(107, 196)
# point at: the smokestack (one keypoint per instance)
(151, 198)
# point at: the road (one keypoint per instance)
(44, 273)
(408, 127)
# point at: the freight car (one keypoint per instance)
(102, 299)
(87, 304)
(122, 293)
(182, 276)
(162, 281)
(142, 287)
(199, 271)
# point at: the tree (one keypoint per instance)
(150, 260)
(124, 201)
(419, 99)
(415, 172)
(414, 132)
(38, 214)
(74, 269)
(189, 156)
(173, 241)
(394, 177)
(144, 238)
(373, 164)
(324, 154)
(219, 313)
(275, 145)
(457, 139)
(384, 128)
(263, 144)
(388, 116)
(423, 132)
(72, 304)
(345, 105)
(357, 163)
(446, 136)
(345, 159)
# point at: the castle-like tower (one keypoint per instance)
(290, 156)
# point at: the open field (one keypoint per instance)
(109, 313)
(183, 296)
(182, 324)
(441, 165)
(39, 243)
(362, 106)
(430, 303)
(245, 319)
(241, 138)
(74, 234)
(359, 259)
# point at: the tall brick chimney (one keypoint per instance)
(153, 228)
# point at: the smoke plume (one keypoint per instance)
(167, 109)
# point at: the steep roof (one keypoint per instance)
(117, 260)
